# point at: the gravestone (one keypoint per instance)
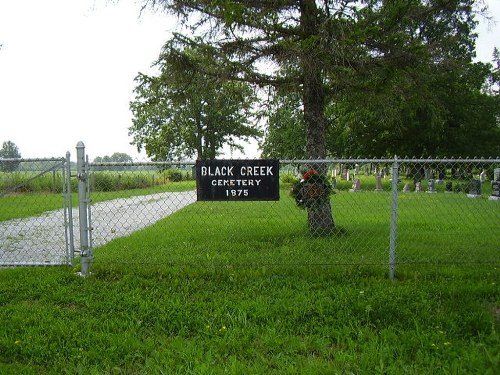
(441, 175)
(418, 187)
(432, 186)
(379, 183)
(475, 189)
(356, 186)
(495, 191)
(406, 188)
(345, 174)
(428, 175)
(449, 187)
(496, 174)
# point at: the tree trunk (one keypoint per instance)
(320, 218)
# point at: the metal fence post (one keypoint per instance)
(394, 218)
(85, 250)
(68, 212)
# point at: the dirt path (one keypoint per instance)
(41, 239)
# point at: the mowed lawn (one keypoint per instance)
(241, 288)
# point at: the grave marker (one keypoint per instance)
(379, 183)
(495, 191)
(418, 187)
(441, 175)
(432, 186)
(482, 176)
(345, 174)
(475, 189)
(356, 186)
(449, 187)
(496, 174)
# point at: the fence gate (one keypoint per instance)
(35, 212)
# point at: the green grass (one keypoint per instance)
(241, 288)
(16, 206)
(432, 229)
(248, 321)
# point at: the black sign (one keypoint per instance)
(237, 180)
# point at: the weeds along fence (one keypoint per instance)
(385, 212)
(36, 225)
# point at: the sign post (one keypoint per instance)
(237, 180)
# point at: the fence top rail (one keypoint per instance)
(399, 160)
(286, 161)
(23, 160)
(140, 163)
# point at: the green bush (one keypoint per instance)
(461, 187)
(289, 179)
(173, 175)
(102, 182)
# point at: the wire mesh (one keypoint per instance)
(449, 212)
(34, 225)
(149, 213)
(329, 212)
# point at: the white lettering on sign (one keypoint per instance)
(217, 171)
(235, 182)
(263, 170)
(237, 193)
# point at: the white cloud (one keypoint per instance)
(67, 70)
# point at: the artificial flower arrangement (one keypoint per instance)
(312, 190)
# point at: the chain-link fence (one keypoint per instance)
(35, 220)
(316, 213)
(329, 212)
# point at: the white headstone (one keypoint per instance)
(482, 176)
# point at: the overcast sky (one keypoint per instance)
(67, 71)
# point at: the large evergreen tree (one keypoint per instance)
(324, 49)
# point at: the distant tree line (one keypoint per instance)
(9, 150)
(117, 157)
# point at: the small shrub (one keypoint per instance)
(173, 175)
(461, 187)
(102, 182)
(289, 179)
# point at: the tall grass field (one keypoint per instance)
(241, 288)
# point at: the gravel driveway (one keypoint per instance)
(41, 239)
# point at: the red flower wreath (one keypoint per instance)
(308, 175)
(312, 190)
